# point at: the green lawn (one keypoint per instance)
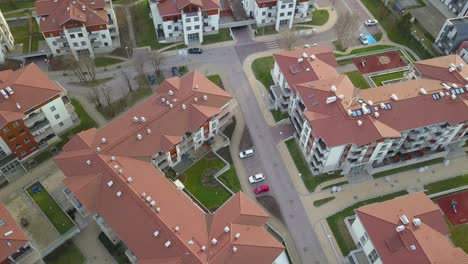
(377, 36)
(210, 197)
(266, 30)
(335, 184)
(94, 83)
(357, 80)
(21, 13)
(310, 181)
(183, 70)
(106, 61)
(261, 68)
(338, 227)
(224, 34)
(379, 79)
(230, 179)
(66, 253)
(319, 18)
(51, 209)
(7, 6)
(145, 35)
(278, 115)
(323, 201)
(459, 235)
(30, 40)
(365, 50)
(132, 98)
(407, 168)
(447, 184)
(216, 79)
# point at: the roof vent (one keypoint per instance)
(331, 99)
(203, 248)
(304, 55)
(382, 105)
(167, 244)
(404, 219)
(8, 233)
(214, 241)
(98, 149)
(18, 106)
(177, 229)
(148, 131)
(313, 57)
(359, 123)
(171, 106)
(300, 60)
(446, 86)
(306, 46)
(205, 97)
(119, 193)
(4, 94)
(167, 102)
(370, 102)
(103, 140)
(93, 2)
(333, 88)
(454, 96)
(158, 209)
(153, 203)
(226, 229)
(120, 171)
(400, 228)
(143, 194)
(423, 91)
(9, 90)
(460, 66)
(142, 119)
(139, 136)
(376, 114)
(163, 99)
(170, 92)
(196, 86)
(451, 69)
(110, 183)
(184, 106)
(441, 94)
(9, 243)
(417, 222)
(135, 119)
(83, 7)
(394, 97)
(88, 162)
(156, 233)
(307, 69)
(116, 166)
(454, 85)
(452, 65)
(234, 249)
(42, 18)
(237, 235)
(195, 99)
(129, 179)
(341, 96)
(113, 158)
(349, 112)
(190, 242)
(148, 199)
(412, 247)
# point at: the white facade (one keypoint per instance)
(362, 240)
(458, 7)
(58, 115)
(464, 54)
(6, 38)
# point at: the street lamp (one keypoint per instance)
(126, 49)
(48, 64)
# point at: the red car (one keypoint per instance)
(261, 189)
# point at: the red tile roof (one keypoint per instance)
(463, 45)
(14, 240)
(24, 82)
(438, 69)
(430, 238)
(174, 7)
(55, 13)
(133, 218)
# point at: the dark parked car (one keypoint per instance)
(195, 51)
(152, 79)
(175, 72)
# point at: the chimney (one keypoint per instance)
(359, 123)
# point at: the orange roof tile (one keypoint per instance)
(16, 237)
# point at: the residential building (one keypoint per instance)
(406, 229)
(458, 7)
(462, 51)
(187, 20)
(6, 38)
(114, 173)
(78, 27)
(34, 110)
(362, 132)
(280, 13)
(14, 246)
(452, 34)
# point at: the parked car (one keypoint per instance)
(175, 72)
(371, 22)
(195, 51)
(256, 178)
(246, 153)
(363, 39)
(152, 79)
(261, 189)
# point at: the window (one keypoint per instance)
(53, 108)
(197, 27)
(80, 35)
(290, 5)
(373, 256)
(17, 146)
(51, 34)
(16, 124)
(170, 35)
(169, 27)
(283, 6)
(263, 13)
(436, 96)
(22, 153)
(5, 130)
(54, 43)
(363, 240)
(263, 21)
(26, 140)
(106, 44)
(83, 43)
(11, 138)
(281, 14)
(103, 36)
(187, 20)
(72, 36)
(75, 44)
(57, 116)
(22, 131)
(196, 19)
(289, 13)
(189, 28)
(61, 124)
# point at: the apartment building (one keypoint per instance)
(34, 110)
(452, 34)
(78, 27)
(340, 127)
(187, 20)
(14, 245)
(406, 229)
(457, 7)
(114, 173)
(280, 13)
(6, 38)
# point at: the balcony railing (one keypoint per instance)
(39, 125)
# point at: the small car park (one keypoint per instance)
(262, 189)
(256, 178)
(363, 39)
(246, 153)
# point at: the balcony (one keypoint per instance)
(37, 125)
(72, 199)
(34, 117)
(193, 14)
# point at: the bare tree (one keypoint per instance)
(139, 63)
(288, 39)
(106, 92)
(385, 7)
(73, 65)
(157, 58)
(123, 100)
(346, 28)
(127, 79)
(95, 96)
(90, 66)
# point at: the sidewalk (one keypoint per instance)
(91, 110)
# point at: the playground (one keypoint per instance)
(455, 207)
(379, 62)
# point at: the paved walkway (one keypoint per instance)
(91, 110)
(93, 250)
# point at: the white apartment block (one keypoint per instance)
(80, 27)
(280, 13)
(6, 38)
(176, 20)
(458, 7)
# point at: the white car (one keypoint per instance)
(256, 178)
(371, 22)
(363, 39)
(246, 153)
